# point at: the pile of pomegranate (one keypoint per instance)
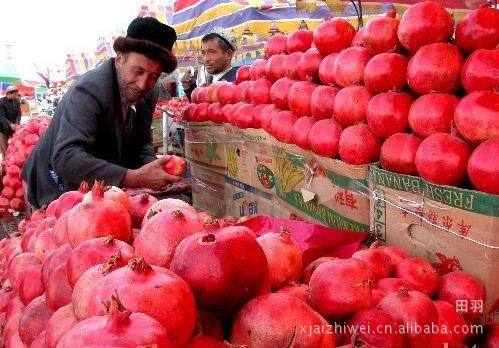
(19, 148)
(100, 268)
(174, 105)
(414, 93)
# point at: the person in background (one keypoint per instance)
(10, 116)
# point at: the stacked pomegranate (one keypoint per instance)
(398, 91)
(101, 268)
(19, 148)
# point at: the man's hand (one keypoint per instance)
(151, 175)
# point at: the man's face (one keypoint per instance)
(214, 58)
(136, 74)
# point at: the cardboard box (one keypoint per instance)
(208, 189)
(244, 200)
(453, 228)
(206, 143)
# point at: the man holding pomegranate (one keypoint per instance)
(101, 129)
(10, 116)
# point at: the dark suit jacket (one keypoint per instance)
(85, 140)
(10, 112)
(230, 76)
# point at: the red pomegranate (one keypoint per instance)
(152, 290)
(242, 74)
(215, 113)
(451, 324)
(307, 272)
(478, 30)
(119, 328)
(435, 68)
(350, 105)
(334, 35)
(58, 291)
(456, 286)
(398, 153)
(281, 126)
(308, 65)
(412, 307)
(39, 341)
(378, 262)
(274, 70)
(442, 159)
(203, 95)
(324, 138)
(284, 257)
(54, 260)
(290, 65)
(358, 40)
(483, 169)
(387, 113)
(358, 145)
(33, 320)
(232, 252)
(166, 229)
(140, 204)
(419, 273)
(257, 114)
(268, 114)
(243, 116)
(188, 112)
(424, 23)
(201, 112)
(18, 266)
(59, 324)
(300, 96)
(432, 113)
(167, 205)
(300, 131)
(481, 71)
(386, 72)
(276, 44)
(44, 244)
(299, 41)
(297, 290)
(396, 254)
(279, 92)
(69, 199)
(273, 321)
(257, 69)
(260, 91)
(380, 35)
(350, 65)
(388, 337)
(322, 102)
(241, 90)
(326, 70)
(376, 297)
(31, 285)
(226, 93)
(477, 116)
(389, 285)
(206, 342)
(226, 112)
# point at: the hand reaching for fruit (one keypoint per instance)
(156, 175)
(175, 166)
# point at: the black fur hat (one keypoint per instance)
(151, 38)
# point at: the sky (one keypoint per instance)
(44, 31)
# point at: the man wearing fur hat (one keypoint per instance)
(10, 116)
(101, 129)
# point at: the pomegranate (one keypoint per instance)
(31, 286)
(358, 40)
(260, 91)
(300, 96)
(282, 126)
(241, 90)
(33, 320)
(58, 291)
(388, 285)
(39, 341)
(273, 321)
(300, 131)
(334, 35)
(297, 290)
(119, 328)
(374, 319)
(268, 114)
(257, 114)
(424, 23)
(203, 96)
(206, 342)
(242, 74)
(326, 69)
(412, 307)
(432, 113)
(350, 105)
(140, 204)
(341, 287)
(60, 232)
(451, 324)
(376, 297)
(92, 219)
(387, 113)
(284, 257)
(226, 113)
(44, 244)
(308, 65)
(386, 72)
(481, 71)
(276, 44)
(322, 102)
(243, 116)
(435, 68)
(350, 65)
(483, 169)
(290, 65)
(215, 113)
(232, 253)
(201, 112)
(152, 290)
(458, 285)
(307, 272)
(95, 251)
(279, 92)
(213, 91)
(274, 70)
(324, 138)
(396, 254)
(442, 159)
(380, 35)
(398, 153)
(257, 69)
(188, 113)
(166, 229)
(419, 273)
(477, 116)
(299, 41)
(59, 324)
(378, 262)
(175, 166)
(358, 145)
(18, 266)
(478, 30)
(225, 93)
(58, 257)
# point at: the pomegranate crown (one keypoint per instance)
(98, 189)
(112, 264)
(139, 264)
(84, 187)
(285, 233)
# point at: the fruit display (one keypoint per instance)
(186, 279)
(19, 148)
(410, 92)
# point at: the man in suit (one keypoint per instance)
(101, 129)
(10, 116)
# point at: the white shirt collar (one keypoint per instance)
(217, 77)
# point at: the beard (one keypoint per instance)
(129, 92)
